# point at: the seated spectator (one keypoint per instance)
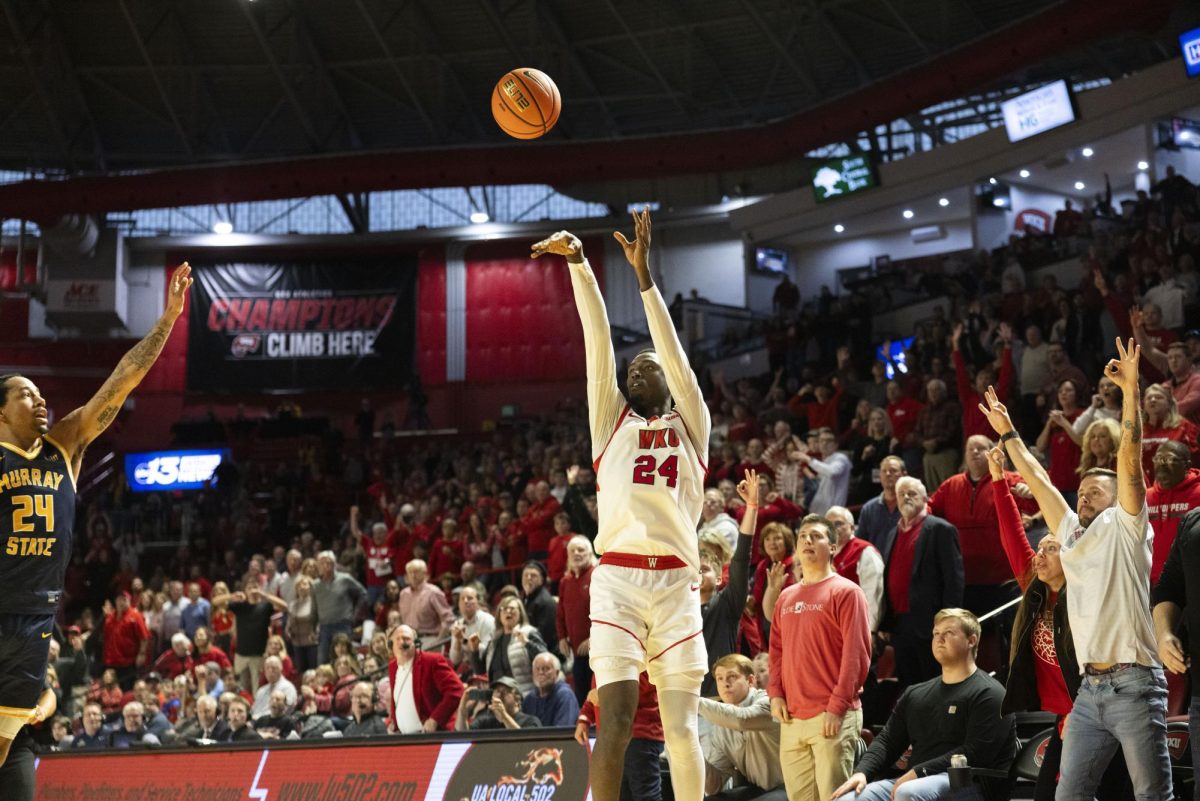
(505, 709)
(1164, 423)
(273, 681)
(93, 734)
(155, 721)
(277, 646)
(425, 691)
(206, 725)
(364, 720)
(206, 651)
(957, 712)
(177, 659)
(132, 729)
(277, 723)
(107, 693)
(551, 701)
(208, 680)
(514, 646)
(238, 716)
(744, 742)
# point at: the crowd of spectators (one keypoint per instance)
(374, 585)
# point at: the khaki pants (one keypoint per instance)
(940, 466)
(813, 765)
(247, 669)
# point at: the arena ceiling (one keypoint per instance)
(93, 87)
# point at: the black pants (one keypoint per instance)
(1115, 786)
(913, 643)
(581, 677)
(17, 775)
(642, 779)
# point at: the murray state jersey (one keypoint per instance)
(650, 488)
(649, 473)
(37, 516)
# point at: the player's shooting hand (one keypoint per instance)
(181, 280)
(564, 243)
(637, 251)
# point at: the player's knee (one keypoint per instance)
(679, 731)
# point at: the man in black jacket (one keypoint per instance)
(924, 574)
(1177, 595)
(540, 604)
(955, 713)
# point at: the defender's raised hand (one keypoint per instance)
(996, 412)
(1123, 370)
(564, 243)
(636, 252)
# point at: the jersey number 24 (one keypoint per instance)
(646, 466)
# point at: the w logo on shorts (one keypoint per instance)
(651, 561)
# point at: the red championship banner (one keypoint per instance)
(549, 768)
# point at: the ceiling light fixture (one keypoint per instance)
(908, 214)
(1080, 185)
(944, 202)
(1024, 173)
(837, 229)
(1143, 166)
(222, 227)
(479, 217)
(1088, 152)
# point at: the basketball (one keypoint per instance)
(526, 103)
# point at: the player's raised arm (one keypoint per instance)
(75, 431)
(605, 401)
(681, 381)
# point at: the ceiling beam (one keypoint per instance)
(76, 87)
(168, 106)
(39, 85)
(426, 119)
(304, 35)
(781, 49)
(315, 140)
(650, 63)
(864, 76)
(546, 11)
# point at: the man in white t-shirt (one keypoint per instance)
(1106, 550)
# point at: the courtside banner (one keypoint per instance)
(552, 767)
(261, 326)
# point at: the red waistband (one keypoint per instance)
(642, 561)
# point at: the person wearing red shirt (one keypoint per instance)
(539, 521)
(1061, 442)
(177, 659)
(969, 397)
(572, 621)
(1175, 492)
(425, 690)
(858, 560)
(818, 405)
(1163, 423)
(774, 509)
(446, 552)
(381, 551)
(924, 575)
(126, 640)
(642, 778)
(205, 651)
(774, 570)
(819, 656)
(902, 411)
(965, 501)
(1181, 375)
(753, 460)
(556, 560)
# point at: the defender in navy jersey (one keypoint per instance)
(38, 466)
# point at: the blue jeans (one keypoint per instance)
(930, 788)
(642, 777)
(326, 632)
(1126, 708)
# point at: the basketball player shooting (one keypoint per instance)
(649, 461)
(38, 468)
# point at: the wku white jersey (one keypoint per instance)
(649, 473)
(650, 488)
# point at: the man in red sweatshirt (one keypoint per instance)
(819, 655)
(1175, 491)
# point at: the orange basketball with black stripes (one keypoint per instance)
(526, 103)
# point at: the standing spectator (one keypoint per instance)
(273, 681)
(1059, 369)
(833, 473)
(965, 502)
(539, 603)
(1164, 423)
(859, 561)
(641, 779)
(744, 741)
(1182, 376)
(556, 562)
(721, 609)
(1177, 596)
(126, 640)
(364, 720)
(819, 657)
(301, 626)
(172, 611)
(539, 520)
(713, 517)
(470, 634)
(197, 612)
(774, 573)
(423, 606)
(903, 411)
(1059, 441)
(939, 432)
(1105, 405)
(786, 297)
(424, 688)
(253, 609)
(336, 596)
(869, 452)
(957, 712)
(287, 579)
(1105, 554)
(1035, 374)
(970, 396)
(551, 701)
(878, 517)
(381, 550)
(514, 645)
(240, 729)
(573, 621)
(1175, 492)
(924, 574)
